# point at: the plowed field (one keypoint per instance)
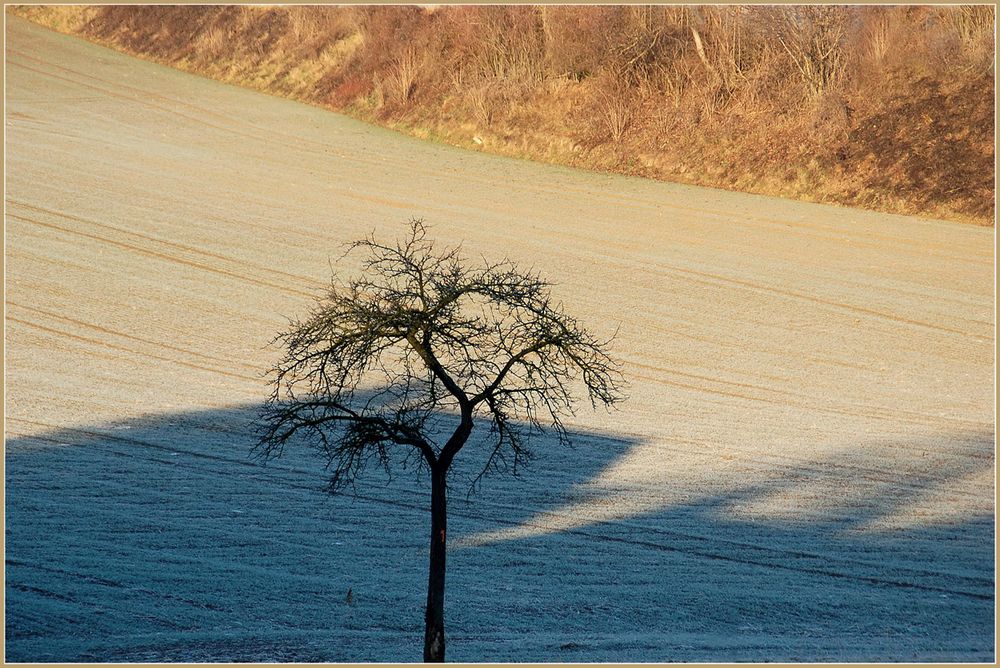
(804, 469)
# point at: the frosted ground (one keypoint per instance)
(804, 469)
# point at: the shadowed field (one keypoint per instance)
(159, 540)
(803, 470)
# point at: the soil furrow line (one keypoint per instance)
(165, 256)
(112, 583)
(878, 581)
(172, 244)
(736, 344)
(265, 140)
(131, 351)
(86, 604)
(711, 279)
(138, 100)
(863, 409)
(872, 413)
(130, 337)
(826, 232)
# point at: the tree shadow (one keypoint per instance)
(159, 539)
(828, 558)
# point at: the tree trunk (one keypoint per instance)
(434, 620)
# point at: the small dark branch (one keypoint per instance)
(515, 359)
(385, 360)
(420, 334)
(426, 354)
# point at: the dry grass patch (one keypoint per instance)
(825, 103)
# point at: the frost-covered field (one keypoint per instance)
(803, 471)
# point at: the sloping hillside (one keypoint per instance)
(887, 108)
(803, 470)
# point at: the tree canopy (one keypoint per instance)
(400, 363)
(388, 360)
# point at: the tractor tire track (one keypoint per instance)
(641, 205)
(131, 351)
(165, 256)
(104, 330)
(304, 280)
(792, 398)
(588, 535)
(760, 459)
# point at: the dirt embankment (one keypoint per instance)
(886, 108)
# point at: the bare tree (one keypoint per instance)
(401, 363)
(814, 38)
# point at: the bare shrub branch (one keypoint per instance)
(617, 109)
(403, 76)
(813, 37)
